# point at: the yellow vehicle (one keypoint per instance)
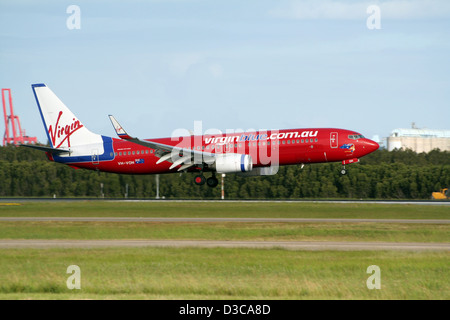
(443, 194)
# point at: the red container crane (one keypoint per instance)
(18, 135)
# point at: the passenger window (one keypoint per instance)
(303, 141)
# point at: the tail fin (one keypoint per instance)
(64, 130)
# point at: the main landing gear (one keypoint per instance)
(201, 180)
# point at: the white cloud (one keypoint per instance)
(356, 10)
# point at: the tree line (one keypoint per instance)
(381, 175)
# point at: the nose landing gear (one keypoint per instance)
(344, 162)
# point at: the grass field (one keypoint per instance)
(223, 273)
(261, 231)
(224, 209)
(156, 273)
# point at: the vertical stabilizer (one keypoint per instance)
(64, 129)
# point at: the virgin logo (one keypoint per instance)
(63, 132)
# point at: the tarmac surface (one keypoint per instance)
(290, 245)
(184, 220)
(343, 201)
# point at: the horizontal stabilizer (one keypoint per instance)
(46, 149)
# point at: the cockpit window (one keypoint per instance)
(356, 136)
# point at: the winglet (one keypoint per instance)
(119, 130)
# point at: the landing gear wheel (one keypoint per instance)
(344, 171)
(199, 180)
(212, 182)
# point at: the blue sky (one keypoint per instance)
(160, 65)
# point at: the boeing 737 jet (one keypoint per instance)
(248, 153)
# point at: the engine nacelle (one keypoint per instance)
(233, 162)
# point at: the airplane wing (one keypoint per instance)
(177, 156)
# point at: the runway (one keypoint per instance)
(186, 220)
(289, 245)
(342, 201)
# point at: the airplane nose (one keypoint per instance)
(371, 145)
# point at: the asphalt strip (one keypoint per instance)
(290, 245)
(285, 220)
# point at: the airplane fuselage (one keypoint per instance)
(249, 153)
(279, 147)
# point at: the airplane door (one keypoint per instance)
(333, 139)
(94, 156)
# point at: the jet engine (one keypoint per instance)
(233, 162)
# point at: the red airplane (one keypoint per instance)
(247, 153)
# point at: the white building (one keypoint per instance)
(419, 140)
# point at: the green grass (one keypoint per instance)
(223, 273)
(225, 230)
(225, 209)
(385, 232)
(188, 273)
